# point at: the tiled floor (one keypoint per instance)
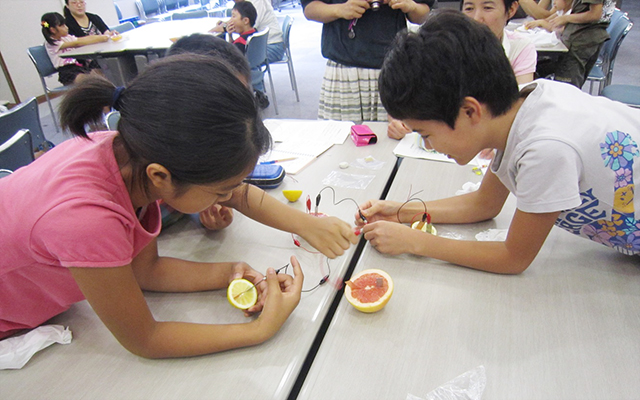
(309, 67)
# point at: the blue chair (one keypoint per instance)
(257, 57)
(24, 116)
(149, 8)
(286, 32)
(628, 94)
(42, 62)
(123, 27)
(16, 152)
(602, 72)
(190, 15)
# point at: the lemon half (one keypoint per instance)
(424, 227)
(292, 195)
(242, 294)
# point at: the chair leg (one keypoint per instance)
(292, 77)
(46, 95)
(273, 92)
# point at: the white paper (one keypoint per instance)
(412, 146)
(285, 130)
(16, 351)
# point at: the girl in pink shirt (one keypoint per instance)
(58, 41)
(81, 221)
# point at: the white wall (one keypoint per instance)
(20, 29)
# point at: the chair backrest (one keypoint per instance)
(286, 30)
(618, 29)
(190, 14)
(40, 58)
(123, 27)
(17, 151)
(171, 4)
(257, 48)
(118, 12)
(22, 116)
(148, 7)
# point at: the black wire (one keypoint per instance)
(406, 202)
(322, 281)
(334, 197)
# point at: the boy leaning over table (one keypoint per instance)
(568, 157)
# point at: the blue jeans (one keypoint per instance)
(275, 52)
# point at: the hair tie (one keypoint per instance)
(116, 96)
(44, 24)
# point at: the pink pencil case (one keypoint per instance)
(362, 135)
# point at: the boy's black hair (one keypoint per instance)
(426, 75)
(246, 10)
(214, 46)
(189, 113)
(50, 20)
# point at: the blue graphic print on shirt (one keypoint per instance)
(622, 230)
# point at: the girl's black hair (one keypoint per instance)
(50, 20)
(188, 113)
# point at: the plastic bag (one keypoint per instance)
(351, 181)
(16, 351)
(468, 386)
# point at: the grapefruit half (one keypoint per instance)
(369, 290)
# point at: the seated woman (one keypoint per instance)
(82, 23)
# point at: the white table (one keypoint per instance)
(121, 60)
(95, 366)
(567, 328)
(539, 37)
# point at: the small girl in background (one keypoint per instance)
(59, 41)
(560, 8)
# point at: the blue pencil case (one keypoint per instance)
(266, 176)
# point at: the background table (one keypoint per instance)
(567, 328)
(95, 366)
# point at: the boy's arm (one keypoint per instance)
(320, 11)
(416, 12)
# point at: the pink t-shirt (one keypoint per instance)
(69, 208)
(521, 53)
(54, 51)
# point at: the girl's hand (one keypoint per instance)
(282, 298)
(216, 217)
(353, 9)
(243, 270)
(378, 210)
(389, 238)
(558, 21)
(329, 235)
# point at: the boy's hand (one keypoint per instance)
(397, 129)
(558, 21)
(389, 238)
(378, 210)
(353, 9)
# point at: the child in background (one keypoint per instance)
(243, 17)
(560, 8)
(103, 185)
(568, 157)
(330, 235)
(59, 41)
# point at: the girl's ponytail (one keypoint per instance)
(85, 102)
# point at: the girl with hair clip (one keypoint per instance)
(59, 41)
(90, 232)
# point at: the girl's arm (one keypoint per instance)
(116, 296)
(416, 12)
(322, 12)
(85, 40)
(331, 236)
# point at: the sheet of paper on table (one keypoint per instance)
(303, 139)
(412, 146)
